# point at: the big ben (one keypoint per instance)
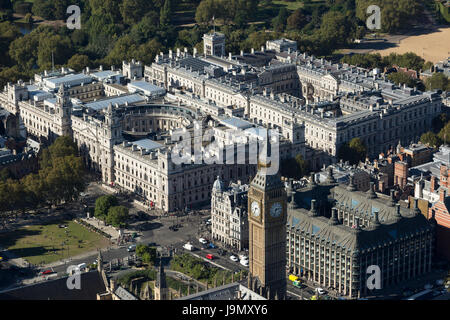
(267, 204)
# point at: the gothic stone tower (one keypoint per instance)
(267, 206)
(161, 290)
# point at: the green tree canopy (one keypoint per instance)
(438, 81)
(103, 204)
(354, 151)
(78, 62)
(146, 253)
(431, 139)
(444, 134)
(117, 216)
(297, 20)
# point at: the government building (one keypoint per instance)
(335, 233)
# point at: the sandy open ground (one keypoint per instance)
(432, 47)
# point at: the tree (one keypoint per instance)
(395, 14)
(117, 216)
(296, 20)
(294, 167)
(335, 29)
(165, 13)
(401, 78)
(103, 204)
(78, 62)
(431, 139)
(438, 81)
(439, 122)
(207, 9)
(44, 9)
(354, 151)
(444, 134)
(124, 49)
(62, 147)
(279, 22)
(148, 51)
(133, 10)
(60, 46)
(146, 253)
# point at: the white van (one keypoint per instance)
(189, 247)
(82, 266)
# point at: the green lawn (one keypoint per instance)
(289, 5)
(42, 244)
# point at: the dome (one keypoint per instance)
(218, 185)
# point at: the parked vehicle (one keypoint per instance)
(211, 245)
(320, 291)
(293, 277)
(82, 266)
(244, 263)
(47, 271)
(243, 257)
(209, 256)
(131, 248)
(189, 247)
(233, 258)
(298, 284)
(203, 241)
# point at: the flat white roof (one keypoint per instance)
(147, 144)
(147, 87)
(102, 104)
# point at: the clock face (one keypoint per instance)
(255, 209)
(275, 210)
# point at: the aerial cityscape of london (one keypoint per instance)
(225, 150)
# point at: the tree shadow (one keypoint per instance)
(34, 251)
(9, 239)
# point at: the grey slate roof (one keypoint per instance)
(353, 239)
(91, 284)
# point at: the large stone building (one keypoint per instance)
(334, 233)
(229, 217)
(261, 89)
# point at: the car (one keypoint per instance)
(209, 256)
(320, 291)
(243, 257)
(244, 263)
(152, 244)
(131, 248)
(211, 245)
(233, 258)
(203, 241)
(81, 266)
(47, 271)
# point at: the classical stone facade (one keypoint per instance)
(229, 217)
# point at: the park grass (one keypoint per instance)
(43, 244)
(294, 5)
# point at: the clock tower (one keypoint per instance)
(267, 206)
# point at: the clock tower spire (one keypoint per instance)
(267, 203)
